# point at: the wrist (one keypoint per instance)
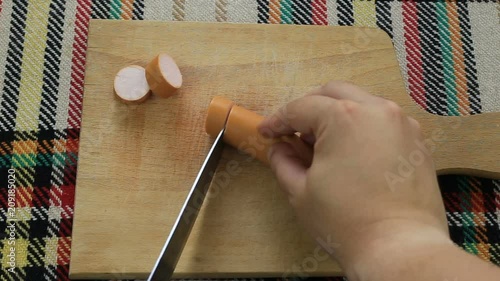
(392, 253)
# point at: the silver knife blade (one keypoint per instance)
(165, 265)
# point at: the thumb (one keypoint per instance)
(288, 167)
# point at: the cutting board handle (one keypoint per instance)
(467, 145)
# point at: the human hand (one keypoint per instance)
(353, 193)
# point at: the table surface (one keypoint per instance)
(42, 66)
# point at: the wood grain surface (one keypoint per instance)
(137, 162)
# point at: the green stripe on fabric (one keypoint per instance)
(39, 159)
(286, 11)
(5, 161)
(23, 160)
(115, 11)
(51, 159)
(470, 247)
(71, 159)
(43, 160)
(447, 53)
(60, 159)
(469, 230)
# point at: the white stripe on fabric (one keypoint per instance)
(331, 10)
(496, 184)
(485, 31)
(200, 10)
(158, 9)
(398, 39)
(5, 17)
(242, 11)
(61, 121)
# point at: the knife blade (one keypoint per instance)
(166, 262)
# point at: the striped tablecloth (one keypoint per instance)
(449, 53)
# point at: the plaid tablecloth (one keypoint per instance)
(449, 53)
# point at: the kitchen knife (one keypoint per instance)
(165, 265)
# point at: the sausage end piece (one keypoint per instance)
(163, 76)
(130, 84)
(217, 114)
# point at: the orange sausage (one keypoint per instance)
(217, 114)
(163, 76)
(130, 84)
(241, 130)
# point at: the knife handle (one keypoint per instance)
(241, 130)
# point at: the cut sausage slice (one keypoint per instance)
(217, 114)
(130, 84)
(163, 76)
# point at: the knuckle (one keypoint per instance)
(337, 84)
(393, 108)
(349, 107)
(414, 123)
(345, 112)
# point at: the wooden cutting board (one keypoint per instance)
(137, 163)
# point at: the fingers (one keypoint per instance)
(308, 138)
(302, 115)
(288, 167)
(345, 91)
(414, 123)
(305, 114)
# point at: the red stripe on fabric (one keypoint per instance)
(40, 197)
(78, 60)
(478, 209)
(65, 228)
(3, 198)
(63, 272)
(413, 53)
(452, 202)
(72, 149)
(67, 195)
(1, 6)
(67, 212)
(319, 14)
(497, 196)
(82, 19)
(55, 196)
(477, 199)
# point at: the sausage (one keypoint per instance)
(130, 84)
(217, 114)
(241, 130)
(163, 76)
